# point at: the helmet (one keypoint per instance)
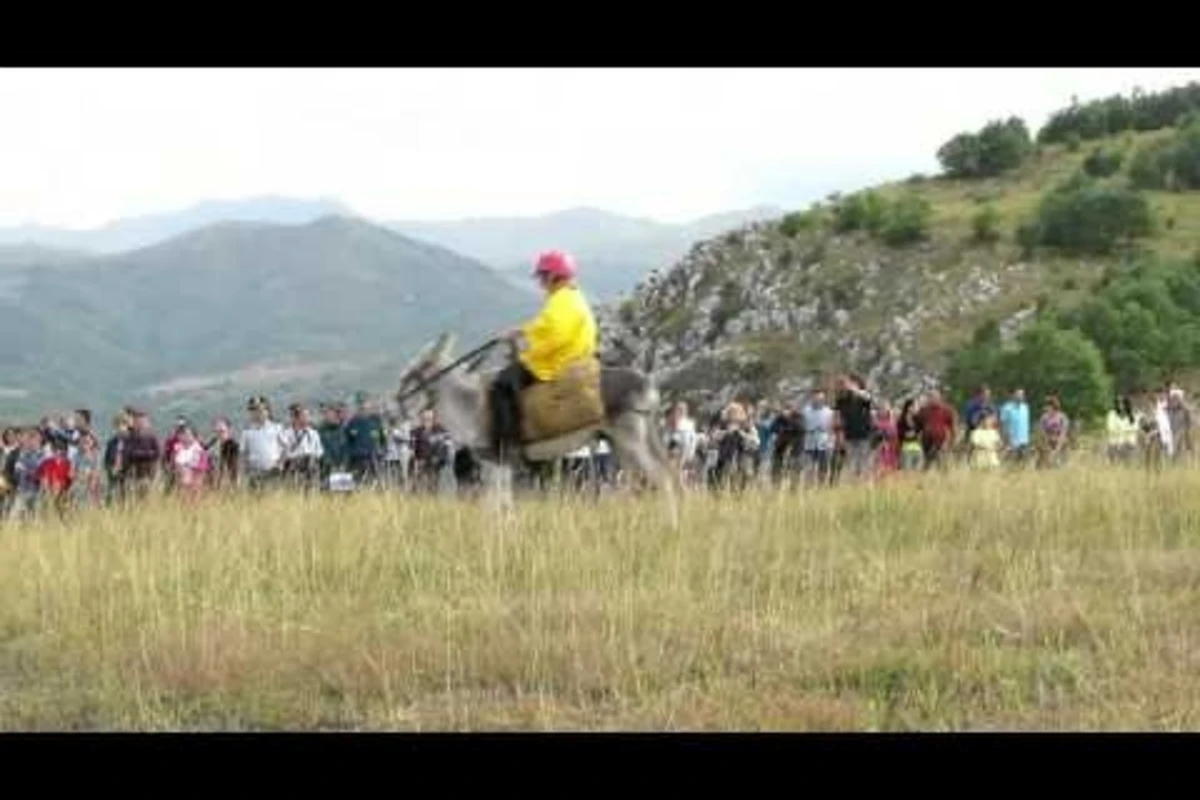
(556, 264)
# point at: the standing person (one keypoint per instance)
(788, 433)
(302, 451)
(170, 444)
(1122, 426)
(224, 456)
(114, 459)
(86, 467)
(602, 461)
(681, 438)
(430, 445)
(191, 464)
(365, 442)
(1014, 426)
(888, 433)
(10, 450)
(853, 406)
(908, 435)
(737, 443)
(979, 406)
(26, 478)
(141, 456)
(1162, 421)
(765, 428)
(1054, 428)
(332, 431)
(1180, 415)
(936, 420)
(261, 448)
(398, 455)
(985, 443)
(819, 434)
(54, 473)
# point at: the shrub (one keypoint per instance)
(1172, 164)
(1085, 218)
(907, 220)
(860, 212)
(797, 222)
(1102, 163)
(985, 225)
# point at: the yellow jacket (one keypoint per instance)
(562, 332)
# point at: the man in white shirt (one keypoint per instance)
(818, 437)
(681, 438)
(301, 450)
(261, 445)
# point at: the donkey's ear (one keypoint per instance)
(443, 347)
(417, 361)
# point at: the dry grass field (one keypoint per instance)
(1061, 600)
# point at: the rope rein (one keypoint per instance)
(437, 376)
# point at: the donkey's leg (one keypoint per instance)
(497, 481)
(636, 443)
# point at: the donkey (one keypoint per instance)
(459, 396)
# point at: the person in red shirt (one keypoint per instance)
(54, 475)
(936, 420)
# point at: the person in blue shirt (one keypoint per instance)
(978, 407)
(1014, 425)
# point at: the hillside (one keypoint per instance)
(614, 251)
(777, 307)
(150, 229)
(201, 321)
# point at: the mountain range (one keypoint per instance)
(613, 251)
(195, 323)
(142, 231)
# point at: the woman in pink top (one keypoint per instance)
(191, 463)
(888, 437)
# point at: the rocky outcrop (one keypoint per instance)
(759, 313)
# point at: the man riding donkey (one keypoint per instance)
(553, 398)
(562, 334)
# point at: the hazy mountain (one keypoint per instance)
(142, 231)
(614, 251)
(202, 320)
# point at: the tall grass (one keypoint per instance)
(1034, 600)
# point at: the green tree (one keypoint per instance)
(1053, 360)
(1044, 359)
(1000, 146)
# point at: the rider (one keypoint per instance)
(563, 332)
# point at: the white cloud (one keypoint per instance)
(81, 147)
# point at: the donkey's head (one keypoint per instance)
(419, 377)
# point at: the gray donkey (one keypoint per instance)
(459, 397)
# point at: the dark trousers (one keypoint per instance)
(505, 401)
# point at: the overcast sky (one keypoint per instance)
(79, 148)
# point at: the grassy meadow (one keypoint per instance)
(1036, 600)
